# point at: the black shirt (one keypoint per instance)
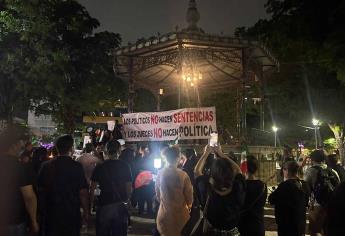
(336, 212)
(112, 176)
(60, 181)
(252, 217)
(223, 212)
(13, 176)
(290, 200)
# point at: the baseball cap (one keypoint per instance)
(121, 142)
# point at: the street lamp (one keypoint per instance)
(316, 124)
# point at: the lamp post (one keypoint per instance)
(315, 123)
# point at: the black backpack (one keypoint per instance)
(325, 185)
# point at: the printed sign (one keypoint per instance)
(187, 123)
(111, 125)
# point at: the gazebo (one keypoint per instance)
(166, 64)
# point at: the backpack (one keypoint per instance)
(325, 185)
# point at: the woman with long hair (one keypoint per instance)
(221, 189)
(174, 191)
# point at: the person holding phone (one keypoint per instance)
(221, 192)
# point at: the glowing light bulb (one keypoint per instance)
(192, 84)
(200, 76)
(183, 77)
(188, 79)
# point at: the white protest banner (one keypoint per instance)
(111, 125)
(187, 123)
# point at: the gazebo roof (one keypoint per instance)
(158, 62)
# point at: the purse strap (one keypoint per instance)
(203, 213)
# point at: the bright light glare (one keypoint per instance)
(157, 163)
(315, 122)
(274, 128)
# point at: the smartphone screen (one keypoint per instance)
(213, 140)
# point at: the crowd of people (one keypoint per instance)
(51, 193)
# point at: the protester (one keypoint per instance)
(252, 214)
(99, 151)
(190, 163)
(175, 194)
(336, 213)
(145, 192)
(89, 161)
(128, 155)
(115, 181)
(117, 132)
(221, 192)
(18, 202)
(63, 191)
(39, 156)
(290, 200)
(332, 162)
(322, 181)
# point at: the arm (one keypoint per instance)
(219, 152)
(30, 201)
(201, 163)
(188, 191)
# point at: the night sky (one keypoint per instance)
(135, 19)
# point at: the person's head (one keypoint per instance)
(172, 155)
(28, 146)
(290, 169)
(99, 147)
(317, 156)
(252, 164)
(141, 150)
(222, 174)
(112, 149)
(25, 157)
(13, 139)
(64, 145)
(332, 160)
(190, 153)
(287, 151)
(88, 148)
(39, 154)
(127, 154)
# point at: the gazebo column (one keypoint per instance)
(262, 96)
(244, 94)
(131, 89)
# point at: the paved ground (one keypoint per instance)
(143, 225)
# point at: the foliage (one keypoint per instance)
(69, 69)
(308, 39)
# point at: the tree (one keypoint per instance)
(308, 39)
(70, 68)
(14, 61)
